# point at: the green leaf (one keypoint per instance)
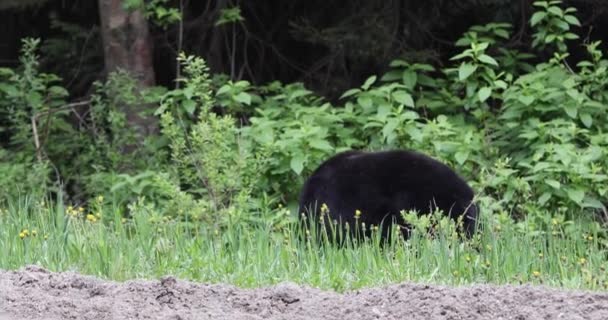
(461, 157)
(189, 106)
(553, 183)
(593, 203)
(188, 92)
(526, 100)
(398, 63)
(466, 54)
(410, 78)
(556, 11)
(297, 163)
(368, 82)
(391, 76)
(465, 70)
(576, 195)
(572, 20)
(10, 90)
(298, 93)
(487, 60)
(403, 98)
(502, 33)
(34, 99)
(383, 110)
(571, 111)
(320, 144)
(537, 17)
(223, 89)
(243, 97)
(484, 93)
(365, 102)
(389, 127)
(544, 198)
(586, 119)
(349, 93)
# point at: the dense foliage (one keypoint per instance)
(526, 128)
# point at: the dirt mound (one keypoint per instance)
(35, 293)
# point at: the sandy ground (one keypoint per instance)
(35, 293)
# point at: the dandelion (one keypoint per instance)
(540, 255)
(25, 232)
(34, 233)
(467, 258)
(46, 236)
(99, 199)
(455, 273)
(324, 209)
(123, 220)
(91, 218)
(536, 273)
(582, 261)
(357, 214)
(22, 235)
(80, 209)
(590, 238)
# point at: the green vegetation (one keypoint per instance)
(211, 195)
(102, 243)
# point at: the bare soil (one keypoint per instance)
(35, 293)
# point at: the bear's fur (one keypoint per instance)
(381, 184)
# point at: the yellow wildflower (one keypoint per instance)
(324, 208)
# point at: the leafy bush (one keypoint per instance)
(531, 138)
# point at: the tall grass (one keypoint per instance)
(107, 245)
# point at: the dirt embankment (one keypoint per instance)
(35, 293)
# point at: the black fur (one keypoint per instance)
(381, 184)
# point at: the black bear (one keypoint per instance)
(373, 187)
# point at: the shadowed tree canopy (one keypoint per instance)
(328, 45)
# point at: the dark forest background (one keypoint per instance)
(329, 45)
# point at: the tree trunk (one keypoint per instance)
(128, 46)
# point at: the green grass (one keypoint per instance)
(503, 252)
